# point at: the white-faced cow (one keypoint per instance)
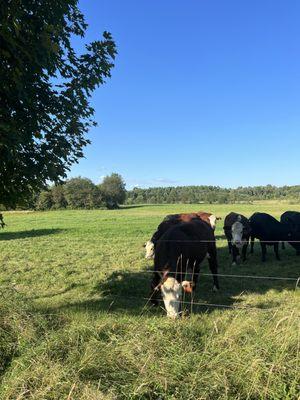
(174, 219)
(237, 231)
(269, 231)
(292, 220)
(178, 255)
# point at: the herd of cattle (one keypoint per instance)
(182, 241)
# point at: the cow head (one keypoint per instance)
(149, 248)
(212, 221)
(237, 234)
(171, 291)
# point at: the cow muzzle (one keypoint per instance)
(237, 243)
(149, 248)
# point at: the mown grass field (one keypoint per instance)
(73, 321)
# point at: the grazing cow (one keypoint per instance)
(2, 223)
(178, 255)
(174, 219)
(292, 220)
(269, 231)
(237, 231)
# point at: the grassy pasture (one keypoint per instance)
(73, 323)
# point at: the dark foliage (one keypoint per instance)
(79, 193)
(44, 91)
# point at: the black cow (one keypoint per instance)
(237, 231)
(292, 220)
(269, 231)
(178, 255)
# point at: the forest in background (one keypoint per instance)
(82, 193)
(211, 194)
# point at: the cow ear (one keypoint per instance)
(187, 286)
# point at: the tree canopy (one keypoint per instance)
(113, 189)
(44, 92)
(82, 193)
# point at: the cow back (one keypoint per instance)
(186, 242)
(291, 217)
(174, 219)
(266, 227)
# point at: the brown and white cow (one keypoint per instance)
(174, 219)
(178, 255)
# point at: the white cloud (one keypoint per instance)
(152, 182)
(165, 181)
(101, 178)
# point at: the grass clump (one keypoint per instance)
(222, 355)
(17, 327)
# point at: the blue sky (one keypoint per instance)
(203, 92)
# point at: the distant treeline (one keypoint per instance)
(211, 194)
(82, 193)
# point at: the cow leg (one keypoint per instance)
(283, 245)
(229, 246)
(244, 251)
(263, 251)
(235, 254)
(252, 244)
(276, 248)
(155, 293)
(195, 277)
(213, 265)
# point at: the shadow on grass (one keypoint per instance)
(126, 292)
(73, 285)
(28, 234)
